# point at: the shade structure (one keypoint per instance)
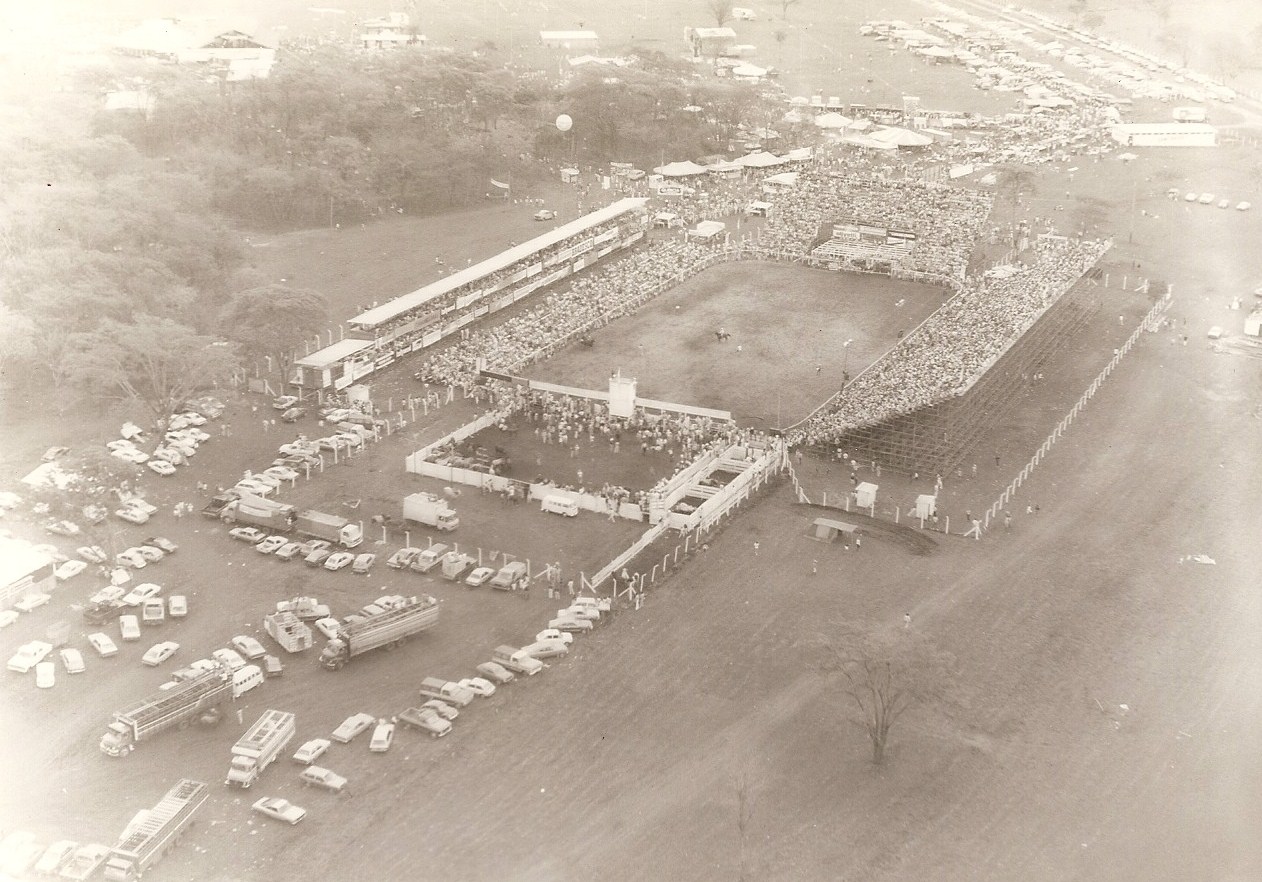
(752, 71)
(724, 167)
(901, 137)
(760, 160)
(859, 140)
(799, 154)
(784, 179)
(680, 169)
(832, 121)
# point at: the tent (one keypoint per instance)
(800, 154)
(784, 179)
(680, 169)
(725, 168)
(758, 209)
(749, 71)
(901, 137)
(832, 121)
(667, 219)
(760, 160)
(569, 175)
(707, 230)
(864, 141)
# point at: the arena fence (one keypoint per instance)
(1151, 322)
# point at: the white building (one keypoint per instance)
(1158, 134)
(584, 40)
(389, 31)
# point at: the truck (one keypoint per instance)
(456, 564)
(329, 527)
(167, 709)
(429, 558)
(516, 660)
(259, 746)
(445, 690)
(155, 831)
(431, 510)
(288, 630)
(511, 576)
(214, 508)
(275, 517)
(387, 628)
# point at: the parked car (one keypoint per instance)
(298, 448)
(479, 685)
(480, 576)
(496, 672)
(248, 647)
(162, 542)
(312, 750)
(247, 534)
(95, 514)
(271, 544)
(339, 561)
(45, 675)
(555, 634)
(402, 558)
(279, 809)
(426, 720)
(73, 661)
(153, 612)
(109, 594)
(132, 515)
(545, 214)
(289, 551)
(131, 455)
(363, 563)
(159, 652)
(142, 592)
(571, 623)
(32, 601)
(229, 658)
(8, 617)
(317, 776)
(177, 606)
(104, 646)
(92, 553)
(131, 558)
(62, 528)
(29, 655)
(69, 570)
(161, 467)
(546, 649)
(328, 627)
(352, 727)
(317, 557)
(293, 414)
(284, 402)
(281, 473)
(254, 488)
(150, 553)
(129, 628)
(442, 708)
(382, 736)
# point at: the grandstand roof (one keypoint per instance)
(331, 355)
(407, 302)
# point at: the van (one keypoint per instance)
(246, 679)
(429, 558)
(129, 627)
(560, 505)
(510, 576)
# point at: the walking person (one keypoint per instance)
(755, 549)
(906, 620)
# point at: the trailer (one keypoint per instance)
(144, 843)
(275, 517)
(431, 510)
(329, 527)
(259, 746)
(387, 628)
(288, 630)
(167, 709)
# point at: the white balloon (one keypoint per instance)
(564, 122)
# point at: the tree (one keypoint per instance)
(89, 478)
(886, 673)
(721, 10)
(154, 362)
(1015, 183)
(271, 322)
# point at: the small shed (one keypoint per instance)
(865, 495)
(569, 176)
(667, 219)
(758, 209)
(926, 506)
(826, 530)
(707, 230)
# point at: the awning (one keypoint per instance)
(680, 169)
(760, 160)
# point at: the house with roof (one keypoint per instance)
(389, 31)
(709, 42)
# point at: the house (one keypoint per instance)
(389, 31)
(191, 42)
(709, 42)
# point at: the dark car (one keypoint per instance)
(218, 503)
(293, 414)
(100, 613)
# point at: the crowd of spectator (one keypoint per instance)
(956, 344)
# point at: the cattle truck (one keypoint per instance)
(387, 628)
(431, 510)
(267, 514)
(167, 709)
(288, 630)
(329, 527)
(261, 744)
(152, 833)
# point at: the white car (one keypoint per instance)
(247, 534)
(570, 623)
(264, 478)
(279, 809)
(161, 467)
(271, 544)
(32, 601)
(284, 402)
(339, 561)
(119, 444)
(8, 617)
(129, 628)
(108, 595)
(177, 606)
(92, 553)
(132, 515)
(230, 658)
(196, 436)
(69, 570)
(545, 214)
(131, 558)
(29, 655)
(190, 418)
(165, 544)
(45, 675)
(402, 558)
(73, 660)
(174, 457)
(480, 576)
(328, 626)
(248, 646)
(1243, 206)
(555, 634)
(312, 751)
(289, 551)
(142, 592)
(298, 448)
(352, 727)
(281, 473)
(479, 685)
(151, 553)
(254, 488)
(382, 736)
(159, 652)
(103, 645)
(131, 455)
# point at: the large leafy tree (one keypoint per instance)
(153, 362)
(272, 321)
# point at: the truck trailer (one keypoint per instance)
(329, 527)
(275, 517)
(167, 709)
(387, 628)
(431, 510)
(288, 630)
(144, 843)
(259, 746)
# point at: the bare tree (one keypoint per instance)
(721, 10)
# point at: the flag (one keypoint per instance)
(500, 184)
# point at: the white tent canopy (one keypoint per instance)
(724, 167)
(901, 137)
(760, 160)
(832, 121)
(799, 154)
(784, 179)
(680, 169)
(707, 229)
(751, 71)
